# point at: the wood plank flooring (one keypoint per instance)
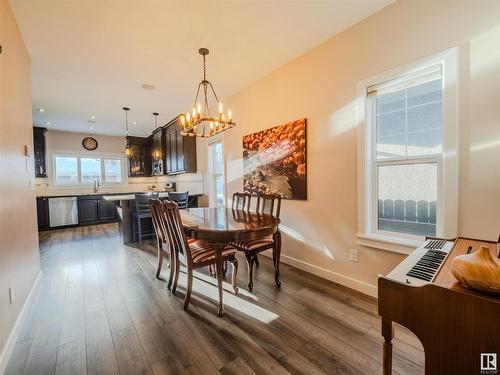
(100, 310)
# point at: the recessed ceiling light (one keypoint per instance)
(47, 122)
(40, 110)
(91, 128)
(147, 86)
(92, 117)
(134, 122)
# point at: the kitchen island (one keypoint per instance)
(125, 204)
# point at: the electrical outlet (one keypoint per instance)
(11, 296)
(353, 255)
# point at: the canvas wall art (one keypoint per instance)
(274, 161)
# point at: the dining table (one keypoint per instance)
(220, 226)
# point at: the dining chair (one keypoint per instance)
(180, 198)
(271, 205)
(161, 237)
(194, 254)
(241, 201)
(141, 212)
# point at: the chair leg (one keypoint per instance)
(276, 258)
(160, 258)
(256, 260)
(172, 269)
(189, 288)
(176, 276)
(212, 271)
(234, 275)
(224, 269)
(250, 261)
(139, 230)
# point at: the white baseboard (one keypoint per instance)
(338, 278)
(11, 341)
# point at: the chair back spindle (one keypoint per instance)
(241, 201)
(175, 231)
(269, 204)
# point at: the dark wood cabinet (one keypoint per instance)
(88, 210)
(180, 150)
(139, 161)
(42, 210)
(39, 151)
(107, 210)
(93, 209)
(165, 151)
(157, 152)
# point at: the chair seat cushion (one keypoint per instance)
(261, 243)
(202, 252)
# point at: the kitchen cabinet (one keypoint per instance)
(42, 211)
(180, 150)
(157, 152)
(88, 209)
(93, 209)
(139, 161)
(39, 151)
(106, 210)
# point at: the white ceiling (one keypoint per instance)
(91, 57)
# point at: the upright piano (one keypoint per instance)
(459, 328)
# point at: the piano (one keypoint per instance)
(458, 327)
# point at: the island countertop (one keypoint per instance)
(128, 196)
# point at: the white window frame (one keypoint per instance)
(79, 155)
(212, 178)
(447, 161)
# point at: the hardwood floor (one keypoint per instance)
(100, 310)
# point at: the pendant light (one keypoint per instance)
(128, 150)
(156, 152)
(199, 122)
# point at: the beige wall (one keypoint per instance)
(321, 86)
(68, 141)
(19, 259)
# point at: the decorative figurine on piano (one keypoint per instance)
(479, 270)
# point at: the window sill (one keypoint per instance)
(395, 245)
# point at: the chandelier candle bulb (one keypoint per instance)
(229, 115)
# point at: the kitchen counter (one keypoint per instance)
(52, 193)
(127, 197)
(125, 205)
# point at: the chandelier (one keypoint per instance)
(200, 122)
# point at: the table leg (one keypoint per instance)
(219, 272)
(388, 334)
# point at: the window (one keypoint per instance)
(405, 115)
(112, 170)
(216, 173)
(66, 170)
(407, 154)
(81, 170)
(90, 170)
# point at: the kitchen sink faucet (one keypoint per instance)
(96, 185)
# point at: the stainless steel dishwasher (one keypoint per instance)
(63, 211)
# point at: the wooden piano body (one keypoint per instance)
(455, 324)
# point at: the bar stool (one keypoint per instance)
(142, 211)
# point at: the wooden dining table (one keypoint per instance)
(220, 226)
